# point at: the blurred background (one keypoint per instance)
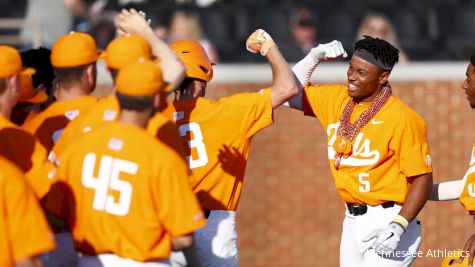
(289, 212)
(424, 30)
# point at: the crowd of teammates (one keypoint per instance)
(111, 176)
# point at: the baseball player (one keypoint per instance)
(217, 136)
(130, 201)
(24, 233)
(377, 150)
(463, 189)
(139, 42)
(16, 144)
(73, 57)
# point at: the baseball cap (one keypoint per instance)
(125, 50)
(142, 78)
(10, 62)
(74, 49)
(28, 93)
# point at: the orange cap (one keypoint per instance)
(142, 78)
(74, 49)
(29, 94)
(125, 50)
(10, 62)
(195, 59)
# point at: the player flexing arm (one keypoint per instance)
(133, 22)
(283, 86)
(368, 75)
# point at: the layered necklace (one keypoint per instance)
(347, 130)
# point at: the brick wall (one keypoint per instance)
(290, 213)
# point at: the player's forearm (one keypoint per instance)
(450, 190)
(283, 84)
(417, 196)
(172, 68)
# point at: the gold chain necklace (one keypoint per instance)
(347, 130)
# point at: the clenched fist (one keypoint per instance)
(259, 41)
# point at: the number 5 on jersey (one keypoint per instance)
(196, 143)
(108, 178)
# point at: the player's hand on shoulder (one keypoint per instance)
(385, 241)
(259, 41)
(132, 22)
(329, 51)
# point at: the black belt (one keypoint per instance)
(361, 209)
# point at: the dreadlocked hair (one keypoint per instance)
(381, 49)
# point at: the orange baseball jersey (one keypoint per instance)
(48, 125)
(387, 151)
(22, 148)
(106, 109)
(129, 193)
(217, 137)
(24, 232)
(467, 198)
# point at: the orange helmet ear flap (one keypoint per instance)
(195, 59)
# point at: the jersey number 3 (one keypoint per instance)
(108, 178)
(196, 143)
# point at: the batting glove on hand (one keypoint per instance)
(259, 41)
(387, 239)
(328, 51)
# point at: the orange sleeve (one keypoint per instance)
(324, 101)
(257, 112)
(29, 230)
(179, 209)
(411, 148)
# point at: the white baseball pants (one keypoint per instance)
(355, 253)
(216, 244)
(112, 260)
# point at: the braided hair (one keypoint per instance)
(380, 49)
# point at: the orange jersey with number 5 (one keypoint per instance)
(388, 150)
(217, 137)
(128, 193)
(24, 232)
(467, 198)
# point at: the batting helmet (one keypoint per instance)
(452, 260)
(195, 59)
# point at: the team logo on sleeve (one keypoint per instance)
(428, 160)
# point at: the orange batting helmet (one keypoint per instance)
(452, 260)
(195, 59)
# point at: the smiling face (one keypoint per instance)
(469, 85)
(365, 79)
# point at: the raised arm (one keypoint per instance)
(304, 68)
(283, 82)
(133, 22)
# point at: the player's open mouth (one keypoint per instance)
(352, 87)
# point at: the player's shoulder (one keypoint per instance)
(403, 112)
(243, 99)
(10, 173)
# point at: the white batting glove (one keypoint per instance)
(328, 51)
(259, 41)
(387, 239)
